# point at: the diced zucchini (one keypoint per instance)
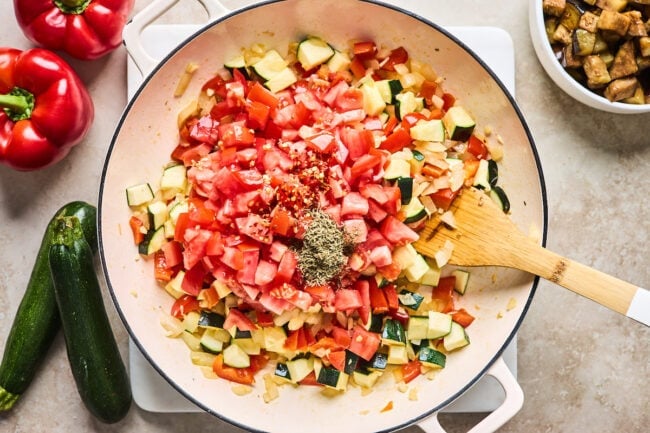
(397, 354)
(235, 356)
(338, 62)
(373, 102)
(500, 198)
(351, 362)
(493, 172)
(313, 52)
(414, 211)
(375, 323)
(281, 370)
(393, 333)
(432, 276)
(274, 338)
(417, 270)
(417, 328)
(270, 65)
(137, 195)
(389, 89)
(176, 209)
(458, 123)
(174, 177)
(191, 321)
(237, 63)
(482, 177)
(405, 185)
(430, 357)
(378, 362)
(410, 299)
(157, 212)
(300, 368)
(191, 340)
(439, 325)
(174, 286)
(210, 342)
(428, 130)
(456, 339)
(281, 81)
(397, 168)
(153, 240)
(366, 378)
(332, 378)
(210, 319)
(406, 103)
(462, 278)
(245, 340)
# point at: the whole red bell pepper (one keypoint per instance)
(85, 29)
(45, 108)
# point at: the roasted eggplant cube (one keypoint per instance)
(583, 42)
(589, 22)
(554, 7)
(637, 27)
(571, 16)
(612, 5)
(596, 71)
(624, 62)
(614, 22)
(644, 46)
(621, 89)
(562, 35)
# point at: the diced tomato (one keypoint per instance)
(193, 280)
(244, 376)
(337, 359)
(354, 204)
(184, 305)
(214, 246)
(311, 380)
(173, 252)
(444, 292)
(341, 336)
(364, 50)
(396, 232)
(248, 273)
(195, 241)
(477, 147)
(357, 68)
(364, 163)
(239, 320)
(358, 142)
(350, 99)
(265, 272)
(462, 317)
(258, 114)
(347, 300)
(235, 134)
(264, 318)
(205, 130)
(287, 267)
(381, 256)
(255, 227)
(364, 343)
(411, 370)
(428, 89)
(199, 214)
(182, 223)
(444, 197)
(449, 101)
(233, 258)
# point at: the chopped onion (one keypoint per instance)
(172, 325)
(443, 255)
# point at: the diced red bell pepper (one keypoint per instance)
(239, 320)
(184, 305)
(244, 376)
(444, 197)
(462, 317)
(444, 292)
(162, 272)
(411, 370)
(136, 226)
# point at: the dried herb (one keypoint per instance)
(324, 250)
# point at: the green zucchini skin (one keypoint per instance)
(37, 320)
(98, 369)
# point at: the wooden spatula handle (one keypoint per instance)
(605, 289)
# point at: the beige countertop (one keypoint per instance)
(582, 368)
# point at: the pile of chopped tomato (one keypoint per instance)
(259, 163)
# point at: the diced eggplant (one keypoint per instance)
(644, 46)
(624, 62)
(583, 42)
(554, 7)
(612, 5)
(614, 22)
(571, 16)
(589, 22)
(570, 60)
(596, 71)
(562, 35)
(621, 89)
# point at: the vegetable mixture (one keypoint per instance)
(283, 225)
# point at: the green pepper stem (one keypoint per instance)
(15, 103)
(75, 7)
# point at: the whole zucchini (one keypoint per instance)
(94, 357)
(37, 319)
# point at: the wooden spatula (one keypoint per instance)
(485, 236)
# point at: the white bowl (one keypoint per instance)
(557, 73)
